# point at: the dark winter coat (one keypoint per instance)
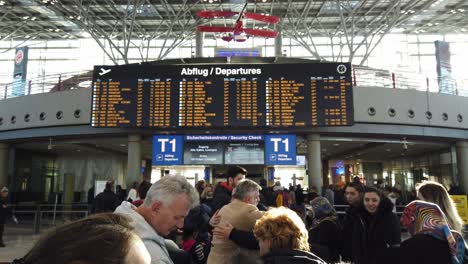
(420, 248)
(4, 211)
(245, 239)
(291, 257)
(324, 240)
(221, 196)
(373, 234)
(267, 196)
(351, 217)
(106, 201)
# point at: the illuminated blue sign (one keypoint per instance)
(280, 150)
(168, 150)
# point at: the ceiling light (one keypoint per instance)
(2, 3)
(123, 145)
(461, 10)
(336, 144)
(25, 17)
(57, 30)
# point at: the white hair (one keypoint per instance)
(245, 188)
(168, 188)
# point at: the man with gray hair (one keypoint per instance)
(166, 205)
(241, 213)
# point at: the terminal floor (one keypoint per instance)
(18, 241)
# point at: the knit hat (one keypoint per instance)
(4, 189)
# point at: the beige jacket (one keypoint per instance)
(243, 217)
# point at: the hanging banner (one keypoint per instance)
(20, 71)
(444, 68)
(207, 172)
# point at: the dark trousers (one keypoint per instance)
(2, 227)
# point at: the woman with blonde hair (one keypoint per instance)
(435, 192)
(282, 237)
(431, 242)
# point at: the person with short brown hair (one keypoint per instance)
(223, 191)
(283, 237)
(101, 238)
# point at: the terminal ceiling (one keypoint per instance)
(152, 19)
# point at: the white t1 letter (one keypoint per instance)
(163, 143)
(275, 141)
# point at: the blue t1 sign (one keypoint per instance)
(168, 150)
(280, 150)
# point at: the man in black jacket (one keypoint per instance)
(4, 211)
(106, 201)
(223, 191)
(353, 193)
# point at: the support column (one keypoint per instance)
(199, 42)
(462, 164)
(4, 155)
(279, 45)
(314, 161)
(133, 160)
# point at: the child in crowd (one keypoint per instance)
(190, 244)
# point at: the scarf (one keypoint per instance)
(226, 186)
(323, 211)
(421, 217)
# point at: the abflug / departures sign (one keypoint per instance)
(223, 96)
(205, 72)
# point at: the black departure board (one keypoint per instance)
(223, 95)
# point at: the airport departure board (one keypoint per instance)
(223, 95)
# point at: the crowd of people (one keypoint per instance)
(241, 221)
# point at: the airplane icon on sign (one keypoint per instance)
(104, 71)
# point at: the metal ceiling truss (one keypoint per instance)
(354, 27)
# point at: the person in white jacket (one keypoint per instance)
(133, 193)
(167, 203)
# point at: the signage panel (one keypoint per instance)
(301, 95)
(203, 153)
(167, 150)
(244, 153)
(461, 203)
(223, 138)
(280, 149)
